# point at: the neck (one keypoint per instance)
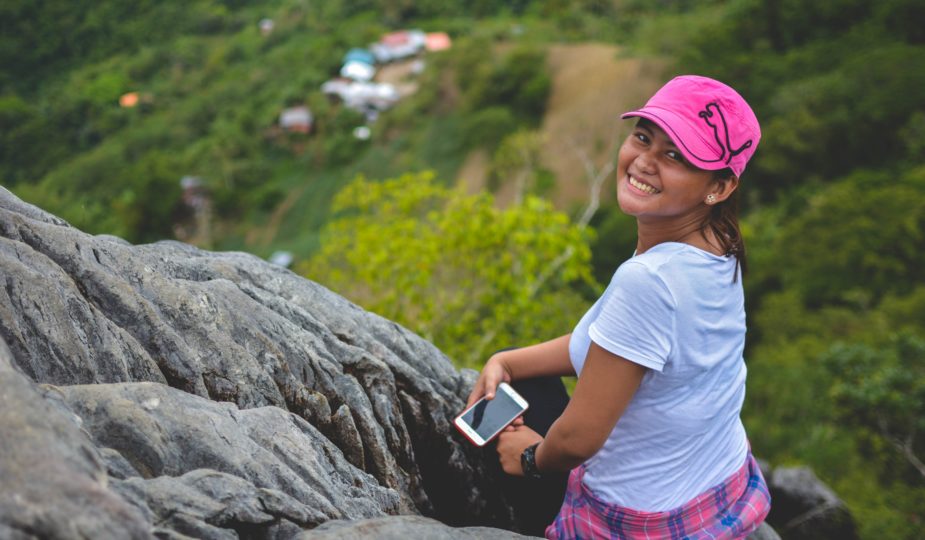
(686, 231)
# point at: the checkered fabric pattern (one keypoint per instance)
(730, 510)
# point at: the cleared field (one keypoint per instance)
(591, 86)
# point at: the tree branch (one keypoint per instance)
(904, 446)
(596, 179)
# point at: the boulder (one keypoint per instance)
(53, 477)
(803, 507)
(403, 528)
(214, 395)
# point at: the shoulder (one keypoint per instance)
(678, 264)
(642, 279)
(665, 256)
(655, 265)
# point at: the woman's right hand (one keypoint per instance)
(494, 373)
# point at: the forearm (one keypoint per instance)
(561, 452)
(604, 390)
(547, 359)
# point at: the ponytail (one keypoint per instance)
(723, 220)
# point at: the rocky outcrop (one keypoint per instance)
(804, 508)
(164, 390)
(403, 528)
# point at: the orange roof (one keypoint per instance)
(437, 41)
(128, 100)
(395, 38)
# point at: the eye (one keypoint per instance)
(676, 155)
(641, 137)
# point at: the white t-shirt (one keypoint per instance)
(675, 310)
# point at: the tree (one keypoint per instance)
(882, 390)
(453, 267)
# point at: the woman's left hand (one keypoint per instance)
(511, 444)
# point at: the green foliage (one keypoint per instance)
(516, 80)
(488, 127)
(453, 267)
(615, 241)
(517, 161)
(880, 388)
(856, 240)
(837, 264)
(41, 38)
(24, 141)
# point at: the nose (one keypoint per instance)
(645, 162)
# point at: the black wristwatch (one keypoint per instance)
(528, 462)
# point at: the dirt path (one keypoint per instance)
(591, 86)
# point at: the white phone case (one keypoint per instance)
(471, 433)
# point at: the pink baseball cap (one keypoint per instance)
(711, 123)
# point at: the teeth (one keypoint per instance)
(644, 187)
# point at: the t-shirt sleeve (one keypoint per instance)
(637, 318)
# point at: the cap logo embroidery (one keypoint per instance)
(724, 143)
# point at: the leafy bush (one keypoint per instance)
(487, 127)
(453, 267)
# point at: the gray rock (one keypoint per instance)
(259, 376)
(54, 483)
(165, 433)
(764, 532)
(805, 508)
(403, 528)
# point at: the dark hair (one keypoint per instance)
(723, 220)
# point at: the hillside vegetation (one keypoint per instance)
(834, 200)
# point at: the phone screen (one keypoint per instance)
(488, 417)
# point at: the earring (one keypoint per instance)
(711, 198)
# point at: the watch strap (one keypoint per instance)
(528, 462)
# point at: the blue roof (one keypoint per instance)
(360, 55)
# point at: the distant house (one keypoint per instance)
(135, 99)
(366, 97)
(296, 119)
(360, 55)
(358, 71)
(281, 258)
(359, 65)
(336, 88)
(398, 45)
(194, 192)
(128, 100)
(193, 223)
(437, 41)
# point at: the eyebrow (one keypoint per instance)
(646, 124)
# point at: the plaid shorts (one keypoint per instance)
(730, 510)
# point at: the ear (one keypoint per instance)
(723, 188)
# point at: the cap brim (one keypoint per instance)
(700, 153)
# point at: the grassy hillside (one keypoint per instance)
(212, 87)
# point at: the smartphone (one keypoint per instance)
(484, 420)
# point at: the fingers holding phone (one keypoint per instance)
(485, 419)
(493, 374)
(516, 424)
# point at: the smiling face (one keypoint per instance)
(656, 184)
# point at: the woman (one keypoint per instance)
(652, 433)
